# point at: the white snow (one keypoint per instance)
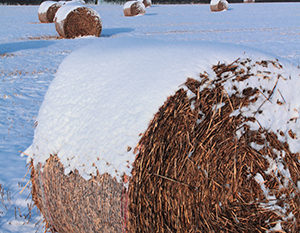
(128, 4)
(30, 57)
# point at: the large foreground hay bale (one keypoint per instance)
(75, 21)
(134, 8)
(222, 153)
(70, 203)
(218, 5)
(202, 167)
(47, 11)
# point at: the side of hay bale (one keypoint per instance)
(47, 11)
(201, 168)
(134, 8)
(65, 199)
(71, 22)
(218, 5)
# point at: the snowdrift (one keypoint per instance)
(198, 137)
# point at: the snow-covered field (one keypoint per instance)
(30, 55)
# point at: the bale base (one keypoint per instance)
(193, 173)
(69, 203)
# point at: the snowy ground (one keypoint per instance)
(30, 56)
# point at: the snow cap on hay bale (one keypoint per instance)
(47, 11)
(74, 20)
(218, 5)
(84, 135)
(134, 8)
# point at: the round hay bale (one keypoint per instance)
(249, 1)
(47, 11)
(70, 203)
(134, 8)
(218, 5)
(207, 164)
(203, 164)
(147, 3)
(74, 20)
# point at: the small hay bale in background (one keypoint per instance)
(249, 1)
(147, 3)
(203, 167)
(218, 5)
(47, 11)
(75, 20)
(134, 8)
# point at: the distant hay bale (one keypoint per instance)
(70, 203)
(200, 166)
(249, 1)
(47, 11)
(75, 21)
(218, 5)
(134, 8)
(147, 3)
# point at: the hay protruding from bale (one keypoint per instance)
(218, 5)
(134, 8)
(47, 11)
(200, 166)
(79, 21)
(70, 203)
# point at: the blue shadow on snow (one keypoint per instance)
(17, 46)
(150, 14)
(108, 32)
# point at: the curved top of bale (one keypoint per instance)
(112, 100)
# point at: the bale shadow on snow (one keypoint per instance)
(108, 32)
(23, 45)
(150, 14)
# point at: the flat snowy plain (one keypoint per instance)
(30, 55)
